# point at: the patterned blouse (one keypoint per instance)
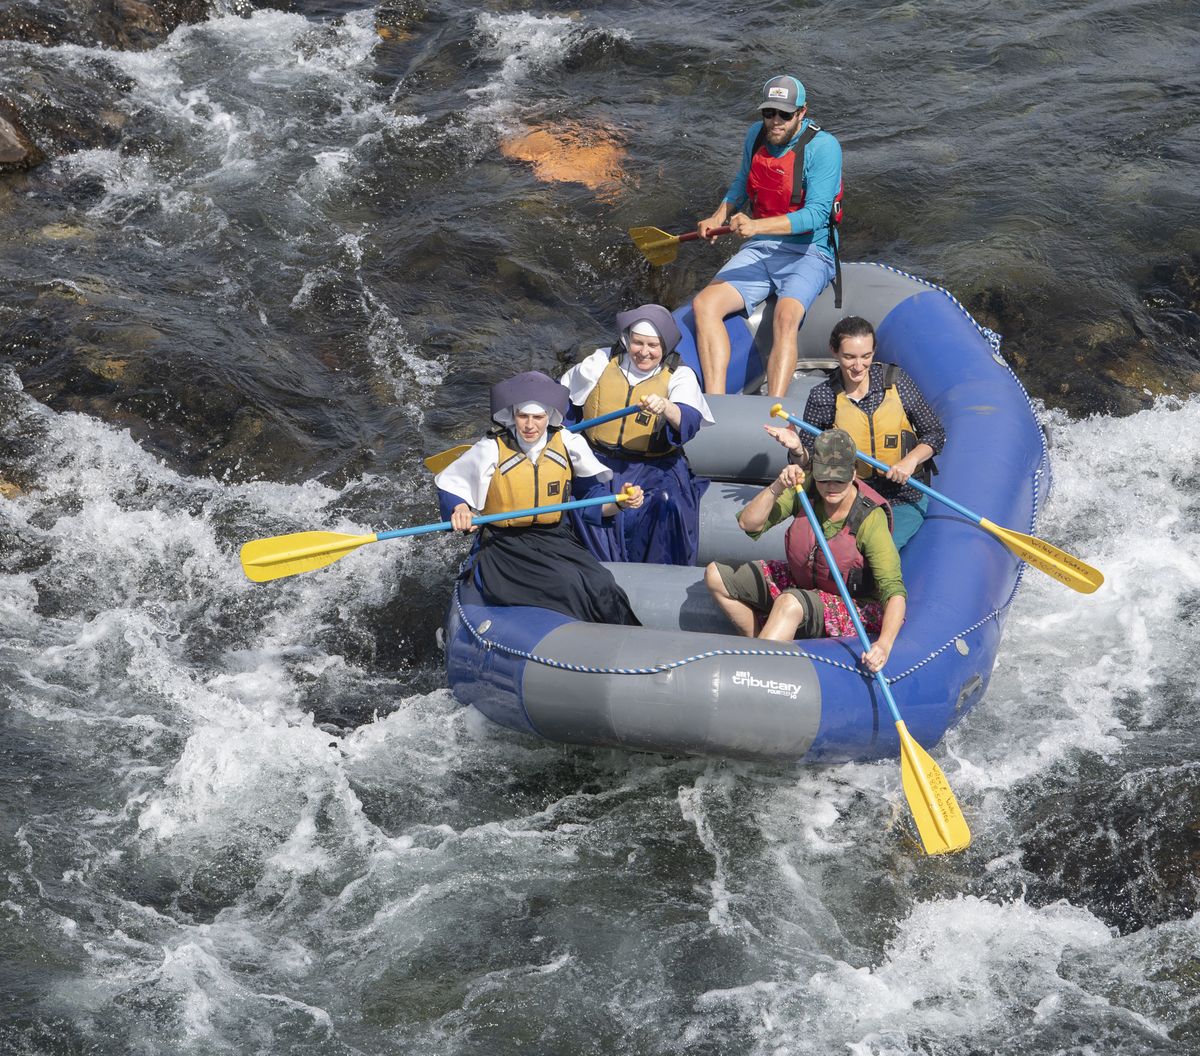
(822, 405)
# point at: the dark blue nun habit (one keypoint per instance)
(665, 530)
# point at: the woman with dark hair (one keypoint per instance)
(882, 409)
(529, 460)
(646, 448)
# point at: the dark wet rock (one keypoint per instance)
(18, 151)
(1136, 863)
(70, 106)
(1114, 364)
(123, 24)
(1173, 298)
(84, 357)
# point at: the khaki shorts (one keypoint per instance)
(747, 584)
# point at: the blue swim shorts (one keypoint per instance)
(764, 266)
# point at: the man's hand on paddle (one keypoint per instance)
(742, 226)
(710, 223)
(875, 657)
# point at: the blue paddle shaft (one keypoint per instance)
(800, 423)
(578, 427)
(836, 573)
(488, 518)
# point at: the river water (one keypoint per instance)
(250, 819)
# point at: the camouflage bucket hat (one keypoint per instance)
(833, 456)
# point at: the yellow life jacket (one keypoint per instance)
(519, 484)
(642, 435)
(886, 435)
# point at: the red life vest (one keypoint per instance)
(775, 186)
(807, 563)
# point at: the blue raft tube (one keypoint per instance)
(683, 683)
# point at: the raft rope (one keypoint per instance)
(669, 665)
(993, 339)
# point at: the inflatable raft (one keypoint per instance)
(684, 683)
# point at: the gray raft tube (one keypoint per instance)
(731, 697)
(739, 458)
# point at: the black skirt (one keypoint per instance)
(549, 568)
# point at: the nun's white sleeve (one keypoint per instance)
(684, 388)
(583, 460)
(470, 475)
(582, 377)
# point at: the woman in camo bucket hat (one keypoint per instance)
(797, 598)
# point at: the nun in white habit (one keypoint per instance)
(529, 460)
(646, 448)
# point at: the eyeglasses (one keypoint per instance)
(769, 114)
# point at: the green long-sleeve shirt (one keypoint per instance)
(873, 539)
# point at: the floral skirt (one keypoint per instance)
(838, 624)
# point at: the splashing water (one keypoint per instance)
(245, 818)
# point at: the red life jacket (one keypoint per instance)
(806, 561)
(775, 186)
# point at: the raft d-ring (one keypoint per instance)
(961, 645)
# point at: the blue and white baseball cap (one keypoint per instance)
(783, 93)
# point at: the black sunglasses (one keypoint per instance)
(768, 113)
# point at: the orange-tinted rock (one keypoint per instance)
(592, 157)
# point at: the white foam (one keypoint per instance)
(223, 87)
(692, 808)
(963, 970)
(1077, 672)
(525, 45)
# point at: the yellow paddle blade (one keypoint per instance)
(436, 463)
(1050, 559)
(935, 810)
(287, 555)
(657, 246)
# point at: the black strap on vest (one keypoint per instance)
(835, 210)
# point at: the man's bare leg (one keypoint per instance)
(781, 364)
(710, 307)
